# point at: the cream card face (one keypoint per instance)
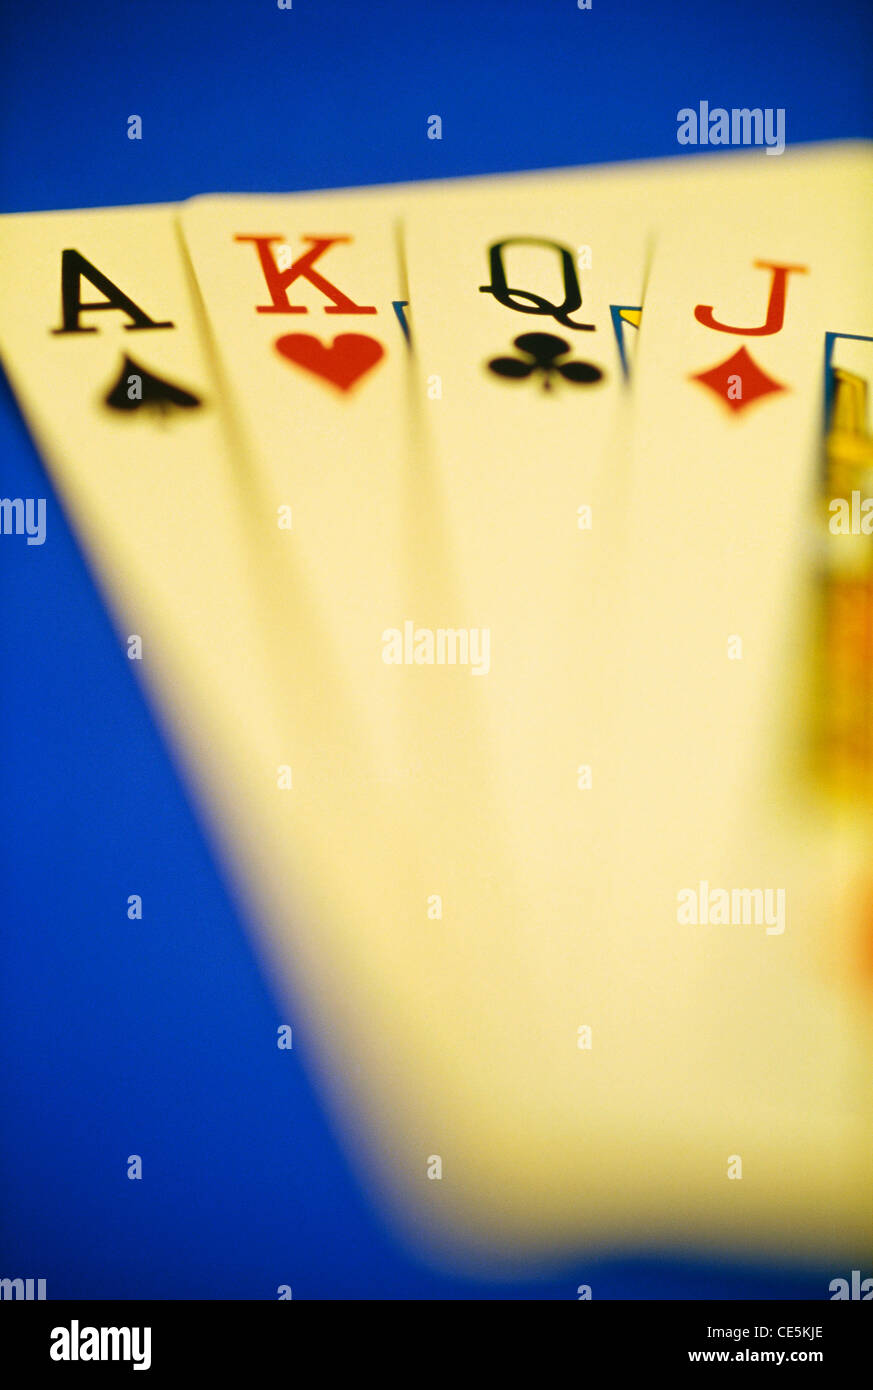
(101, 342)
(304, 300)
(738, 873)
(525, 301)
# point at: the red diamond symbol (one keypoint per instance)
(738, 381)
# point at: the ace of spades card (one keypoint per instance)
(102, 343)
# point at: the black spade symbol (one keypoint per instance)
(542, 351)
(137, 389)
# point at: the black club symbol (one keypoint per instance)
(543, 349)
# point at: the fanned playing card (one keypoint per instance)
(443, 668)
(102, 345)
(303, 298)
(290, 285)
(743, 877)
(522, 435)
(101, 336)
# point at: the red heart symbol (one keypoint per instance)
(343, 363)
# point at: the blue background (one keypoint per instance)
(158, 1037)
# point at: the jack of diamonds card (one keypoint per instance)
(745, 880)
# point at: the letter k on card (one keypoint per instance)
(351, 355)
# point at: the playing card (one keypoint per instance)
(303, 296)
(550, 541)
(751, 953)
(101, 343)
(842, 667)
(517, 292)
